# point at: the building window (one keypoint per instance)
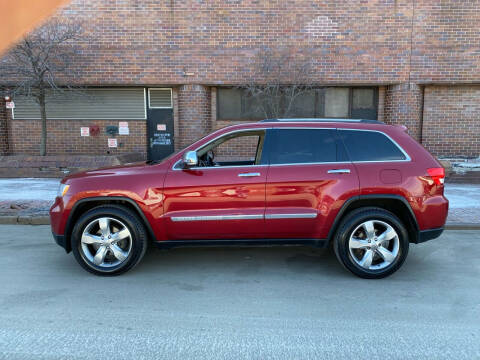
(160, 98)
(328, 102)
(95, 104)
(234, 104)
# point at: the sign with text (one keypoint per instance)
(161, 127)
(10, 105)
(112, 143)
(84, 131)
(123, 128)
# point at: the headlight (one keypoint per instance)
(62, 190)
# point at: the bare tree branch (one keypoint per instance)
(279, 79)
(40, 64)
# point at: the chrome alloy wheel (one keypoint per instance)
(374, 245)
(106, 242)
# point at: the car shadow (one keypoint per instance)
(244, 262)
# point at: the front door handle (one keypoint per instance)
(252, 174)
(339, 171)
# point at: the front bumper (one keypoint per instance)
(60, 240)
(430, 234)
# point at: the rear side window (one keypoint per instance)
(370, 146)
(294, 146)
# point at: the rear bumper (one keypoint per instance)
(430, 234)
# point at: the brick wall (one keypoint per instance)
(403, 105)
(381, 103)
(194, 103)
(192, 42)
(446, 41)
(3, 128)
(451, 124)
(63, 137)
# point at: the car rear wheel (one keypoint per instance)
(371, 242)
(109, 240)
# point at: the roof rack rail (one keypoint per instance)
(324, 120)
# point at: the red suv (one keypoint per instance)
(367, 188)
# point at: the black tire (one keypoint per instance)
(138, 239)
(350, 223)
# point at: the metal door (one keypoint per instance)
(160, 127)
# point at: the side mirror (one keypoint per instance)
(190, 159)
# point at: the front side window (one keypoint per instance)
(298, 146)
(235, 149)
(370, 146)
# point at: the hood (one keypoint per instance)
(127, 169)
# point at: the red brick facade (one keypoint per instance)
(63, 137)
(194, 103)
(3, 128)
(405, 47)
(403, 105)
(451, 120)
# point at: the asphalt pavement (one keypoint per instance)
(238, 303)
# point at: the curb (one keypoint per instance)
(45, 220)
(24, 220)
(462, 226)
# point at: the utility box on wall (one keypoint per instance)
(111, 130)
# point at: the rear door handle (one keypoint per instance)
(252, 174)
(339, 171)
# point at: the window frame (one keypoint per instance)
(319, 102)
(97, 118)
(268, 147)
(262, 143)
(160, 107)
(338, 143)
(258, 151)
(407, 156)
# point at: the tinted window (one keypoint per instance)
(364, 104)
(293, 146)
(370, 146)
(235, 104)
(336, 102)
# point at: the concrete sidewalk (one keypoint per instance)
(27, 201)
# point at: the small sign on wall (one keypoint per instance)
(84, 131)
(123, 128)
(10, 105)
(112, 143)
(161, 127)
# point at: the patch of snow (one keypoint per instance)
(28, 189)
(463, 196)
(467, 165)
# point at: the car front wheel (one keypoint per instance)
(371, 242)
(109, 240)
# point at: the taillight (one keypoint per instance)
(437, 175)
